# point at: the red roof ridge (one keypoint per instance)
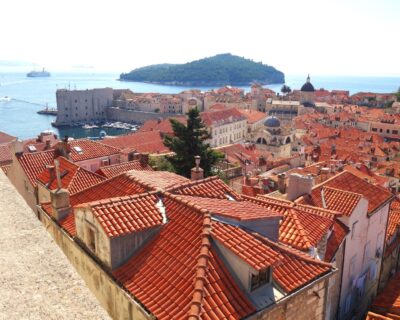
(344, 191)
(330, 179)
(95, 203)
(329, 211)
(291, 251)
(185, 202)
(300, 227)
(191, 183)
(201, 270)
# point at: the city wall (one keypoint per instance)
(118, 303)
(134, 116)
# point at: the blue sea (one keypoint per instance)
(19, 117)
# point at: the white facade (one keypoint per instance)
(227, 133)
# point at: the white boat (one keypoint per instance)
(5, 98)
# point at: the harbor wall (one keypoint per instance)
(133, 116)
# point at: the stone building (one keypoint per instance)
(274, 138)
(82, 106)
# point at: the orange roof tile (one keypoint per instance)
(163, 126)
(5, 154)
(123, 215)
(375, 316)
(6, 138)
(90, 150)
(339, 232)
(221, 117)
(211, 187)
(393, 220)
(237, 210)
(73, 177)
(253, 116)
(33, 164)
(176, 275)
(157, 179)
(251, 250)
(116, 169)
(143, 142)
(387, 303)
(349, 183)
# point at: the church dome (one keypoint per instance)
(272, 122)
(307, 87)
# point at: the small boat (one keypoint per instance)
(5, 98)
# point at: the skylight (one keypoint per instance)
(78, 149)
(32, 148)
(229, 197)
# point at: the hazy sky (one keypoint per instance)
(342, 37)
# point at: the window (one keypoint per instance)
(374, 129)
(91, 239)
(395, 131)
(387, 131)
(366, 254)
(258, 280)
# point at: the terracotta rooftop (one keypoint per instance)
(5, 154)
(143, 142)
(220, 117)
(211, 187)
(6, 138)
(244, 245)
(375, 316)
(84, 149)
(34, 164)
(73, 177)
(178, 275)
(339, 232)
(349, 183)
(117, 169)
(157, 179)
(253, 116)
(163, 126)
(393, 227)
(300, 229)
(123, 215)
(237, 210)
(387, 303)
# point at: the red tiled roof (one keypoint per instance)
(6, 138)
(237, 210)
(33, 164)
(347, 181)
(73, 177)
(143, 142)
(90, 150)
(301, 227)
(339, 232)
(387, 303)
(68, 224)
(123, 215)
(393, 220)
(117, 169)
(245, 246)
(176, 275)
(253, 116)
(335, 199)
(211, 187)
(221, 117)
(157, 179)
(6, 168)
(163, 126)
(5, 154)
(375, 316)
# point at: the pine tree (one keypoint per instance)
(189, 141)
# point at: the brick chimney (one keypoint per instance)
(282, 183)
(144, 159)
(60, 203)
(63, 148)
(52, 172)
(197, 173)
(299, 185)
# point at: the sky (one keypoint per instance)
(320, 37)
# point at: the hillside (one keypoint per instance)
(222, 69)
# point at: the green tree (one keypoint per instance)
(286, 89)
(189, 141)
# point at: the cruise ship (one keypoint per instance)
(35, 74)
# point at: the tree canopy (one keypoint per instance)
(189, 141)
(222, 69)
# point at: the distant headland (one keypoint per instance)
(219, 70)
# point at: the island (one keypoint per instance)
(219, 70)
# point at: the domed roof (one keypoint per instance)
(307, 87)
(272, 122)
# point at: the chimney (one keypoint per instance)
(47, 144)
(299, 185)
(17, 147)
(60, 203)
(144, 159)
(197, 173)
(63, 148)
(282, 183)
(52, 172)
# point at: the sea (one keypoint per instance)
(21, 97)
